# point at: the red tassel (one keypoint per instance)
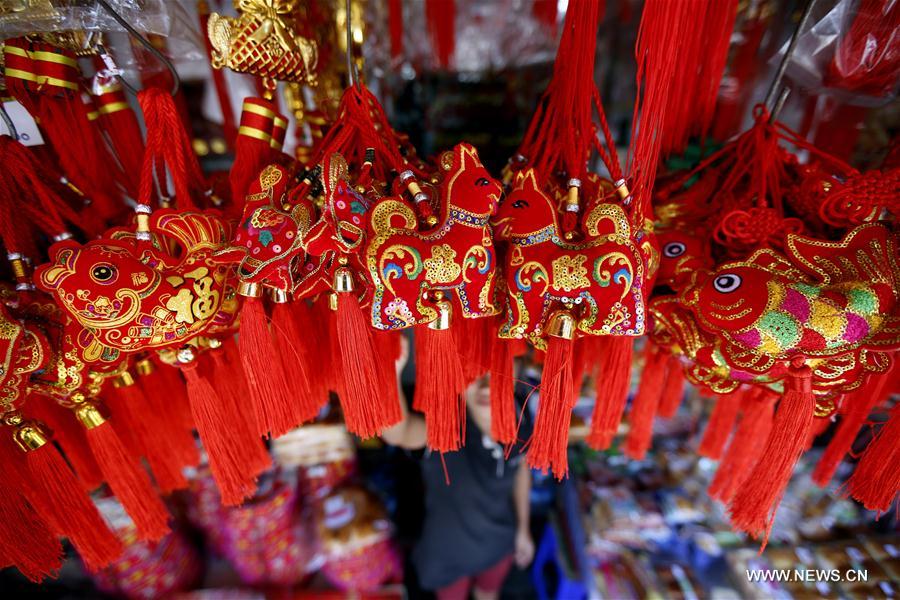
(178, 432)
(746, 444)
(290, 345)
(440, 388)
(441, 17)
(474, 337)
(395, 27)
(549, 444)
(166, 390)
(388, 345)
(721, 421)
(323, 336)
(673, 392)
(123, 131)
(366, 410)
(544, 11)
(229, 465)
(857, 406)
(252, 147)
(269, 394)
(643, 408)
(54, 492)
(229, 382)
(26, 539)
(503, 402)
(753, 506)
(70, 436)
(876, 479)
(125, 477)
(613, 380)
(129, 403)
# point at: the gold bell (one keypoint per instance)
(278, 295)
(123, 379)
(86, 411)
(343, 280)
(28, 435)
(249, 289)
(144, 367)
(445, 313)
(562, 325)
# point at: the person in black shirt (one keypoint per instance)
(478, 525)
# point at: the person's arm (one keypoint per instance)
(524, 550)
(409, 432)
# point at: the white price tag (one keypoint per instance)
(26, 128)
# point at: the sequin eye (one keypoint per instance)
(103, 273)
(520, 203)
(727, 283)
(482, 181)
(673, 249)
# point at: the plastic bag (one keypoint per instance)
(852, 53)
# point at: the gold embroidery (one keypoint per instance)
(442, 267)
(569, 273)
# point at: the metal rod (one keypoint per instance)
(176, 81)
(774, 90)
(352, 73)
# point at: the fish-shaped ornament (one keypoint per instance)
(820, 299)
(131, 295)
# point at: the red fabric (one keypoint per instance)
(457, 255)
(489, 581)
(129, 305)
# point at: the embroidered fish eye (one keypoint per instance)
(727, 283)
(520, 203)
(103, 273)
(482, 181)
(673, 249)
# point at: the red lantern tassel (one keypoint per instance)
(125, 477)
(366, 410)
(548, 447)
(858, 405)
(721, 421)
(503, 402)
(440, 383)
(613, 382)
(51, 488)
(26, 539)
(268, 388)
(228, 466)
(673, 392)
(643, 408)
(289, 342)
(876, 479)
(746, 444)
(755, 503)
(71, 438)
